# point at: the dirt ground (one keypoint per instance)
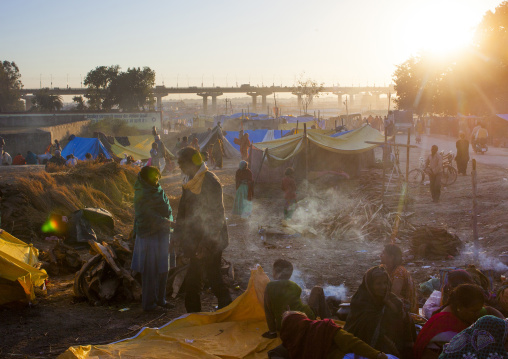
(57, 321)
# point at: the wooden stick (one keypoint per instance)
(306, 152)
(261, 165)
(474, 213)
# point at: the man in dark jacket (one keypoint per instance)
(201, 230)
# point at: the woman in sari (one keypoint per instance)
(378, 316)
(244, 190)
(153, 216)
(464, 307)
(402, 282)
(318, 339)
(487, 338)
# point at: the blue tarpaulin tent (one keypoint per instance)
(255, 136)
(80, 146)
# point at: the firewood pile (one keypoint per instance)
(433, 242)
(107, 277)
(60, 259)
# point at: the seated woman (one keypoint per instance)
(402, 282)
(378, 316)
(318, 339)
(244, 190)
(465, 305)
(487, 338)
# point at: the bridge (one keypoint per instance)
(213, 92)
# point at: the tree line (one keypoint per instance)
(471, 82)
(107, 88)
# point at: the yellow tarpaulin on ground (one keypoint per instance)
(17, 274)
(232, 332)
(351, 143)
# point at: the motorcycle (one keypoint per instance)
(481, 148)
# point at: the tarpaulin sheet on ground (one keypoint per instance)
(232, 332)
(255, 136)
(17, 274)
(80, 146)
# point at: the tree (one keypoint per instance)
(421, 85)
(133, 90)
(80, 103)
(130, 90)
(308, 89)
(44, 101)
(98, 82)
(10, 85)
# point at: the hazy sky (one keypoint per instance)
(228, 42)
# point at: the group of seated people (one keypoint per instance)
(380, 322)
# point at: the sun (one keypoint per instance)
(439, 27)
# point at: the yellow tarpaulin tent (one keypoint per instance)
(291, 125)
(17, 274)
(232, 332)
(354, 142)
(139, 148)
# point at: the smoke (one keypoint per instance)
(485, 261)
(337, 291)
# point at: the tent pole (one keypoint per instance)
(306, 153)
(261, 166)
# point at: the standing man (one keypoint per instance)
(161, 153)
(435, 165)
(201, 230)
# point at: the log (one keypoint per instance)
(78, 292)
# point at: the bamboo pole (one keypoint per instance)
(306, 151)
(261, 165)
(407, 154)
(474, 213)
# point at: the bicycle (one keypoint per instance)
(416, 176)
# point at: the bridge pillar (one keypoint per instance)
(263, 101)
(214, 104)
(159, 103)
(254, 96)
(299, 100)
(205, 102)
(28, 101)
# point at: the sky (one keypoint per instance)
(225, 43)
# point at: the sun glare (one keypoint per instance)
(439, 27)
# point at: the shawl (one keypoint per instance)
(194, 184)
(438, 323)
(484, 339)
(151, 207)
(31, 158)
(289, 188)
(305, 338)
(245, 176)
(380, 322)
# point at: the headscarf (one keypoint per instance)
(243, 165)
(305, 338)
(453, 280)
(380, 322)
(484, 339)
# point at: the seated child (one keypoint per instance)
(282, 295)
